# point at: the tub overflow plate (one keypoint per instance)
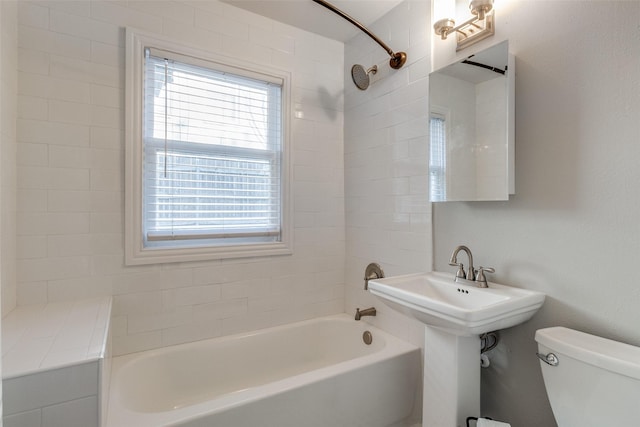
(367, 337)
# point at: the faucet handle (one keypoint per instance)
(460, 273)
(481, 278)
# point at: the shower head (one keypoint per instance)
(361, 77)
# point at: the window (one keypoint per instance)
(206, 156)
(437, 157)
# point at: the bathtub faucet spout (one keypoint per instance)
(371, 311)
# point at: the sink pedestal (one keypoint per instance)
(454, 314)
(451, 390)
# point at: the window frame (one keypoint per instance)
(441, 171)
(135, 251)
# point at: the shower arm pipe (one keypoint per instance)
(397, 58)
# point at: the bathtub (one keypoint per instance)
(316, 373)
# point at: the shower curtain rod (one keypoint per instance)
(397, 58)
(488, 67)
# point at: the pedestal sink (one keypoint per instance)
(454, 315)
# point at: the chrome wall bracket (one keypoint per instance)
(475, 32)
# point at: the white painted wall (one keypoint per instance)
(571, 230)
(70, 173)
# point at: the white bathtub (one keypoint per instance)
(317, 373)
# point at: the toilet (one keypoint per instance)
(590, 381)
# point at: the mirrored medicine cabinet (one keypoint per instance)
(472, 128)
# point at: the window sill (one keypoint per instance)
(163, 255)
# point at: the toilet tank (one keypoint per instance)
(596, 382)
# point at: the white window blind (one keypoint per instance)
(212, 142)
(437, 158)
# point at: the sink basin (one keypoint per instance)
(436, 300)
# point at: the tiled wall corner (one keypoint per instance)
(386, 160)
(8, 148)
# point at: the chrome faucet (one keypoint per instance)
(460, 274)
(472, 276)
(371, 311)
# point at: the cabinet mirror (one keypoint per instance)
(471, 105)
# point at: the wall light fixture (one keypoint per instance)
(480, 26)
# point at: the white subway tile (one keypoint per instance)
(192, 295)
(68, 179)
(106, 159)
(81, 8)
(153, 279)
(36, 85)
(106, 180)
(69, 112)
(81, 412)
(32, 293)
(236, 14)
(32, 154)
(68, 245)
(107, 96)
(57, 43)
(33, 15)
(76, 70)
(168, 10)
(32, 61)
(107, 201)
(53, 133)
(33, 108)
(191, 332)
(24, 419)
(220, 24)
(70, 24)
(69, 157)
(107, 117)
(31, 224)
(107, 243)
(192, 36)
(244, 49)
(106, 222)
(31, 247)
(111, 12)
(107, 75)
(38, 269)
(33, 177)
(249, 322)
(107, 54)
(175, 317)
(219, 309)
(74, 288)
(68, 201)
(199, 6)
(108, 33)
(22, 357)
(138, 303)
(124, 344)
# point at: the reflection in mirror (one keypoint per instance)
(471, 104)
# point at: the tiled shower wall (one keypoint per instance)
(70, 173)
(8, 113)
(386, 161)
